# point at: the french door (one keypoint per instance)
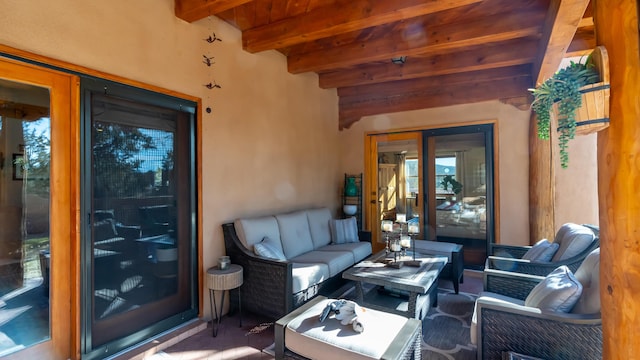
(438, 179)
(37, 215)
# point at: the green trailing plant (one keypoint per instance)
(562, 88)
(447, 181)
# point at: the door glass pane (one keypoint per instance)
(398, 185)
(461, 193)
(140, 234)
(24, 215)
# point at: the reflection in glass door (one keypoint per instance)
(398, 184)
(24, 216)
(459, 176)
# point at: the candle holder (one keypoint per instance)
(413, 229)
(387, 227)
(405, 243)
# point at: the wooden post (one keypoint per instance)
(616, 23)
(542, 185)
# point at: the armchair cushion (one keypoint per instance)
(559, 291)
(344, 231)
(573, 239)
(542, 251)
(589, 276)
(269, 249)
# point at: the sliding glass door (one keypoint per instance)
(139, 197)
(460, 178)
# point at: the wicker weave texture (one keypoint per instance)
(265, 282)
(547, 339)
(508, 286)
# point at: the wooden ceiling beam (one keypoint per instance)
(583, 42)
(346, 16)
(432, 97)
(561, 24)
(194, 10)
(370, 92)
(434, 39)
(503, 54)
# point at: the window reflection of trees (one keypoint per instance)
(131, 161)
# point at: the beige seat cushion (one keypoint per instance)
(360, 250)
(309, 337)
(307, 275)
(337, 261)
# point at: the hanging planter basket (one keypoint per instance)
(593, 115)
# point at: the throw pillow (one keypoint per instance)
(558, 292)
(267, 248)
(344, 231)
(542, 251)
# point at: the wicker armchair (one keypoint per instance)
(509, 258)
(504, 323)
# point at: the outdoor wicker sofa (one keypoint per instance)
(312, 264)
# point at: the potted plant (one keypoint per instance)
(456, 186)
(564, 94)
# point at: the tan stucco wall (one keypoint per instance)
(513, 153)
(577, 186)
(271, 142)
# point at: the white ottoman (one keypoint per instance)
(386, 336)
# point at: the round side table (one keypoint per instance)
(227, 279)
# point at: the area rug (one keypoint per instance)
(445, 329)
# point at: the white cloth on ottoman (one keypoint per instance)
(307, 336)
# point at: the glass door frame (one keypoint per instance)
(490, 168)
(372, 208)
(64, 203)
(428, 147)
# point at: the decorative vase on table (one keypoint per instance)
(351, 189)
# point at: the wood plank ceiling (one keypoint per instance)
(457, 51)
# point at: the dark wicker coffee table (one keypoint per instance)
(407, 291)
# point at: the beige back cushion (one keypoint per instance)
(574, 240)
(588, 274)
(252, 231)
(295, 233)
(319, 226)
